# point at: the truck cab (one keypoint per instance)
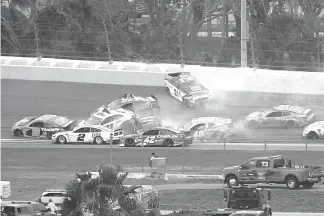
(273, 169)
(240, 198)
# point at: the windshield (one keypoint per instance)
(200, 94)
(93, 120)
(61, 121)
(297, 109)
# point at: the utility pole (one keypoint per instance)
(244, 34)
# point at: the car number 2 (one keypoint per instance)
(81, 137)
(149, 140)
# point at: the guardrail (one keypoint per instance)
(131, 73)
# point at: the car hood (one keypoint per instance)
(232, 168)
(255, 114)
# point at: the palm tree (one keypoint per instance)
(103, 195)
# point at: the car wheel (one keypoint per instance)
(292, 182)
(18, 132)
(312, 135)
(168, 142)
(98, 140)
(253, 124)
(61, 139)
(232, 181)
(290, 124)
(308, 184)
(129, 142)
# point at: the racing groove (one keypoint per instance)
(77, 100)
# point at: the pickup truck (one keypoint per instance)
(273, 169)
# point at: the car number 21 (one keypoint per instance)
(149, 140)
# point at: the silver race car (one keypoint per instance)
(43, 127)
(281, 116)
(210, 128)
(186, 89)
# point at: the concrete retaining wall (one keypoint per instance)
(130, 73)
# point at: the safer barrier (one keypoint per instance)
(131, 73)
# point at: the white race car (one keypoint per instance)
(112, 119)
(85, 134)
(314, 130)
(186, 89)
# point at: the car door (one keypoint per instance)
(248, 172)
(273, 119)
(198, 130)
(262, 167)
(149, 137)
(79, 135)
(95, 132)
(35, 129)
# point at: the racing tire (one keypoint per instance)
(231, 181)
(168, 143)
(61, 140)
(308, 184)
(291, 124)
(98, 140)
(253, 125)
(312, 135)
(18, 132)
(129, 142)
(292, 183)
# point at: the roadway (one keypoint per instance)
(77, 100)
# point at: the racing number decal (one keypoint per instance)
(81, 137)
(149, 140)
(95, 135)
(176, 92)
(265, 164)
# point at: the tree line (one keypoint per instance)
(283, 34)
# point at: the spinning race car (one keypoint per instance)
(87, 134)
(146, 109)
(281, 116)
(210, 128)
(112, 119)
(159, 136)
(42, 127)
(185, 88)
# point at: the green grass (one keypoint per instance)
(282, 200)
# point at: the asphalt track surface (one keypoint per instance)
(22, 98)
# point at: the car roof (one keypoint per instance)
(266, 158)
(46, 118)
(164, 128)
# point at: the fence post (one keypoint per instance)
(306, 147)
(224, 146)
(183, 158)
(265, 146)
(143, 158)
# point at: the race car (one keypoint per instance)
(43, 127)
(186, 89)
(112, 119)
(210, 128)
(146, 109)
(159, 136)
(86, 134)
(281, 116)
(314, 130)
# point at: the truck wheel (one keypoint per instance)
(308, 184)
(232, 181)
(292, 182)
